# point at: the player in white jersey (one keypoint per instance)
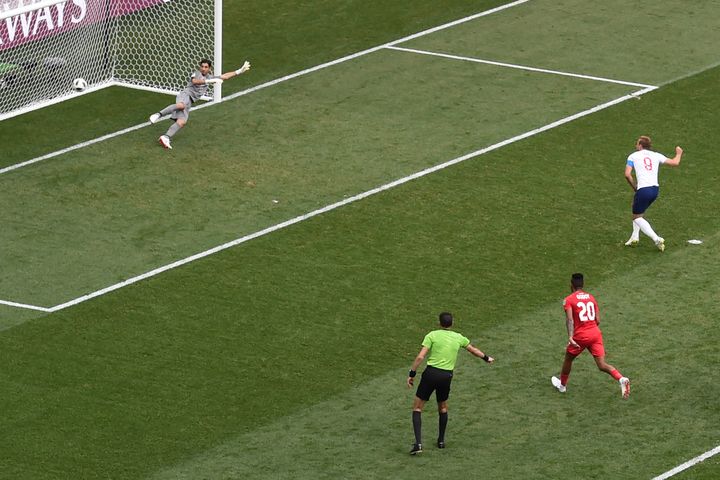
(646, 164)
(196, 88)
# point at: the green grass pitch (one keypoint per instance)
(285, 357)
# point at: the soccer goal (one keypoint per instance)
(146, 44)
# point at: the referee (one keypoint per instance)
(443, 346)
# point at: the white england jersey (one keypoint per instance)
(646, 164)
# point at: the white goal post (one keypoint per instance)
(145, 44)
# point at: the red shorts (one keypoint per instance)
(591, 340)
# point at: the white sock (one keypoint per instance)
(636, 231)
(643, 225)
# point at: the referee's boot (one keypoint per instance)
(416, 448)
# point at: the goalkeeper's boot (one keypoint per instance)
(660, 244)
(625, 387)
(165, 142)
(155, 117)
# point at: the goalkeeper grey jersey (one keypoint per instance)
(196, 91)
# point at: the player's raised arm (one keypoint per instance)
(228, 75)
(675, 161)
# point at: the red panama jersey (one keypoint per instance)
(584, 310)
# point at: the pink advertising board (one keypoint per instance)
(61, 17)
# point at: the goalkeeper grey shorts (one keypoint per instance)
(183, 97)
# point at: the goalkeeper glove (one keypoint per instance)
(211, 80)
(243, 69)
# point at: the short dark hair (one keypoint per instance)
(205, 60)
(577, 280)
(446, 319)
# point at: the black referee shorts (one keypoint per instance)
(434, 380)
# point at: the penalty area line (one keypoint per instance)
(25, 306)
(688, 464)
(378, 48)
(268, 84)
(518, 67)
(343, 202)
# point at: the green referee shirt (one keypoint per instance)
(444, 346)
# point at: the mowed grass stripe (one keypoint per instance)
(506, 419)
(320, 211)
(118, 209)
(265, 85)
(601, 39)
(519, 67)
(313, 35)
(162, 371)
(12, 316)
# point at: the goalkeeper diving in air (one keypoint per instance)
(196, 88)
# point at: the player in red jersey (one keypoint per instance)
(583, 320)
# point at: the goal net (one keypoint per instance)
(147, 44)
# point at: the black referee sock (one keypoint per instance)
(417, 426)
(442, 426)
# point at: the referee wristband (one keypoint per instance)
(412, 373)
(486, 357)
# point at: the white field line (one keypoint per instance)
(688, 464)
(24, 305)
(316, 212)
(519, 67)
(269, 84)
(380, 47)
(71, 148)
(327, 208)
(390, 45)
(346, 201)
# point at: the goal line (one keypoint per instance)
(269, 84)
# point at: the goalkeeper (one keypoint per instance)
(196, 88)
